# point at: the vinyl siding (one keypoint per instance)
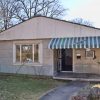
(43, 68)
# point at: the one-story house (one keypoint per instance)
(47, 46)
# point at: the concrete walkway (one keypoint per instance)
(64, 92)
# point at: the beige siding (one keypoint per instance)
(43, 68)
(42, 27)
(55, 62)
(6, 52)
(48, 57)
(86, 65)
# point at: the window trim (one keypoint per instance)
(40, 51)
(93, 54)
(20, 52)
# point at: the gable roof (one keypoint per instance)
(40, 27)
(53, 19)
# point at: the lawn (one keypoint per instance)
(21, 87)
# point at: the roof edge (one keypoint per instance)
(53, 19)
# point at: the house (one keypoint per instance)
(47, 46)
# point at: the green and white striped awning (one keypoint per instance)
(75, 42)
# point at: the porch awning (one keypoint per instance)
(75, 42)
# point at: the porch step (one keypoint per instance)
(78, 77)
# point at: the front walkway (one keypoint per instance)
(64, 92)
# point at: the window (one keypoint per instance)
(27, 53)
(36, 49)
(17, 53)
(90, 54)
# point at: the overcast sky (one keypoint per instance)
(86, 9)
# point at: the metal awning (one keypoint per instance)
(75, 42)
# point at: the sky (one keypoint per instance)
(86, 9)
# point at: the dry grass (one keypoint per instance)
(19, 87)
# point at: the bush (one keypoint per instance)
(93, 94)
(78, 97)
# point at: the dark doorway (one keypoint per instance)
(66, 60)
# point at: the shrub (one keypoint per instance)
(93, 94)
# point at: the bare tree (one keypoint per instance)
(82, 21)
(30, 8)
(16, 11)
(1, 25)
(7, 9)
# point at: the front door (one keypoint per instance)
(66, 60)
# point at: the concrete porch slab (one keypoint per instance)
(77, 76)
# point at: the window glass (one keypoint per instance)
(36, 53)
(27, 55)
(24, 53)
(90, 54)
(17, 53)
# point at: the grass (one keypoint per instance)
(20, 87)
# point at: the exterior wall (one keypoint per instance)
(55, 62)
(48, 60)
(6, 53)
(8, 66)
(42, 27)
(83, 65)
(86, 65)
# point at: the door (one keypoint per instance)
(67, 60)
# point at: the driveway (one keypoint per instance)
(64, 92)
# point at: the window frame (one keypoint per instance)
(40, 56)
(93, 54)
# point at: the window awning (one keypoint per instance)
(75, 42)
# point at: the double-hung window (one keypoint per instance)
(27, 53)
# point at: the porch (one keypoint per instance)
(77, 76)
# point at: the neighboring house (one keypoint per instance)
(48, 46)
